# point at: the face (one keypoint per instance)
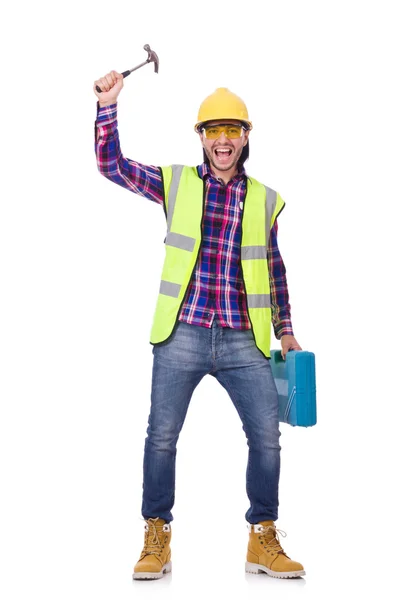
(223, 152)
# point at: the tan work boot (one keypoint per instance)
(155, 559)
(265, 553)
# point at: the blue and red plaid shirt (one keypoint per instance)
(216, 287)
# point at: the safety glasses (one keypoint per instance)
(212, 132)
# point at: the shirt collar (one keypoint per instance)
(205, 170)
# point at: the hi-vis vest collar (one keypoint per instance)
(184, 194)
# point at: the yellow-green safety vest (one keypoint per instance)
(184, 194)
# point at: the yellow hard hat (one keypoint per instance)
(222, 104)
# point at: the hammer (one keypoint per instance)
(152, 57)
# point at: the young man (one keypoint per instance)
(223, 286)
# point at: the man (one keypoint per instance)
(222, 287)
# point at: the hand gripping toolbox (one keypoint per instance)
(295, 380)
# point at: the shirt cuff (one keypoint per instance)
(106, 115)
(283, 328)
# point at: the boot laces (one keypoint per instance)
(272, 542)
(153, 543)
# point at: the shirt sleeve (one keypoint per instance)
(281, 309)
(140, 179)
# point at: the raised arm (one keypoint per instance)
(144, 180)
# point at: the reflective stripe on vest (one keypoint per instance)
(184, 204)
(271, 199)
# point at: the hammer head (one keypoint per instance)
(152, 57)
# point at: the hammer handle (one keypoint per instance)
(124, 74)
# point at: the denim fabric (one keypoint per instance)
(179, 364)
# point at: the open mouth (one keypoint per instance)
(223, 153)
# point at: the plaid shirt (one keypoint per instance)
(216, 286)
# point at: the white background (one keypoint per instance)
(81, 260)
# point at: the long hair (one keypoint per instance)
(243, 156)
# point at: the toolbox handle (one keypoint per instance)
(278, 357)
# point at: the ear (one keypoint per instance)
(246, 135)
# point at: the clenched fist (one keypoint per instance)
(110, 85)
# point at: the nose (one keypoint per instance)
(222, 137)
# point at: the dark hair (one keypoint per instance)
(243, 157)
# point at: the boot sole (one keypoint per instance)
(257, 569)
(147, 575)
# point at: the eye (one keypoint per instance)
(212, 130)
(234, 130)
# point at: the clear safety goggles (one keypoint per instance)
(212, 132)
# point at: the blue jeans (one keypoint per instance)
(179, 364)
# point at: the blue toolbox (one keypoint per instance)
(295, 379)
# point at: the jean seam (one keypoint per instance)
(237, 404)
